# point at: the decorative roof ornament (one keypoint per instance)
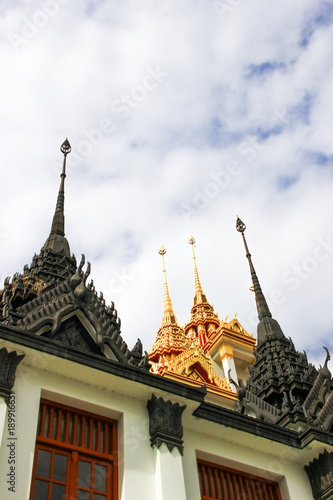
(240, 226)
(65, 148)
(57, 241)
(170, 338)
(200, 297)
(267, 325)
(168, 316)
(318, 392)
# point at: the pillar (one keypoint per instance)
(166, 432)
(227, 358)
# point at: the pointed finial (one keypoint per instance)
(263, 310)
(240, 227)
(270, 325)
(168, 316)
(65, 147)
(162, 252)
(57, 241)
(198, 289)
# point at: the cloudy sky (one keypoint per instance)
(181, 116)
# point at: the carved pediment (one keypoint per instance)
(236, 327)
(196, 375)
(74, 334)
(193, 363)
(94, 326)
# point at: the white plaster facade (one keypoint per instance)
(144, 472)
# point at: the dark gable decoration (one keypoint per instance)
(165, 423)
(8, 364)
(283, 387)
(51, 297)
(320, 472)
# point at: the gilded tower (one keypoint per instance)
(206, 351)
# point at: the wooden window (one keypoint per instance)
(222, 483)
(75, 455)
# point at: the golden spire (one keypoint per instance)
(168, 316)
(198, 288)
(200, 297)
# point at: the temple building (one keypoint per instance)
(208, 412)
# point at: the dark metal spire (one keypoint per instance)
(57, 241)
(267, 325)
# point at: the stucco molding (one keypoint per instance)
(8, 364)
(165, 423)
(320, 473)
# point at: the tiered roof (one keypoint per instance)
(52, 299)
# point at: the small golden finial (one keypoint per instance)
(198, 289)
(162, 252)
(169, 316)
(235, 317)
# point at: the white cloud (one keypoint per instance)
(125, 194)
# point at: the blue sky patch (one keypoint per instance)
(217, 134)
(263, 68)
(302, 110)
(285, 181)
(320, 158)
(324, 17)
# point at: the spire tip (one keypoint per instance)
(65, 147)
(240, 226)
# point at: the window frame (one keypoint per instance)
(231, 473)
(108, 457)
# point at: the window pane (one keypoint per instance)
(102, 437)
(70, 430)
(110, 439)
(83, 495)
(86, 429)
(78, 432)
(60, 467)
(99, 497)
(100, 477)
(43, 463)
(58, 492)
(62, 432)
(55, 424)
(46, 423)
(94, 435)
(84, 478)
(41, 489)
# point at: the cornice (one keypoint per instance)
(229, 418)
(97, 362)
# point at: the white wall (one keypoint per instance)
(292, 479)
(140, 466)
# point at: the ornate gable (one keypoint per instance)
(52, 299)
